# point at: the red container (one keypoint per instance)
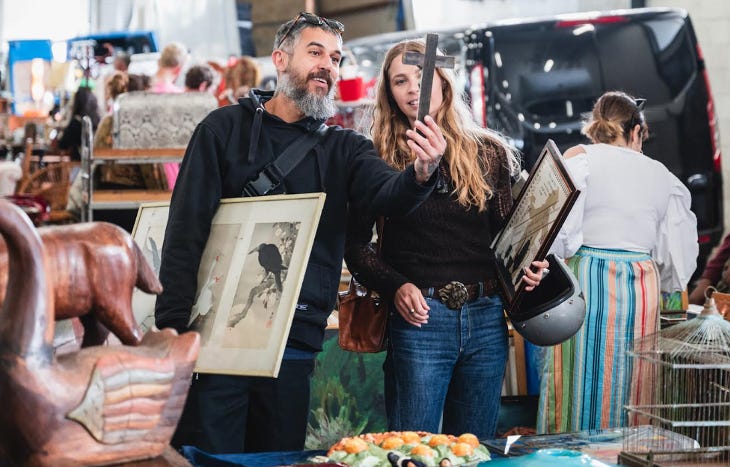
(351, 89)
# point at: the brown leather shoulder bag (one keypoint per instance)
(362, 314)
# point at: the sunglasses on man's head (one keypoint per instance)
(640, 103)
(314, 20)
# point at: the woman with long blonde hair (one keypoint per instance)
(447, 336)
(463, 135)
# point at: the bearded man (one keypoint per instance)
(224, 158)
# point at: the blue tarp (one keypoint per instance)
(264, 459)
(25, 51)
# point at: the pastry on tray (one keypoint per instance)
(397, 448)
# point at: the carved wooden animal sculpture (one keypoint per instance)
(101, 405)
(95, 267)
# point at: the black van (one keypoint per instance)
(533, 80)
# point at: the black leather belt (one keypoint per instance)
(455, 294)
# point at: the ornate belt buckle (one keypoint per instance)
(454, 295)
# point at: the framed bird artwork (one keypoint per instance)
(249, 278)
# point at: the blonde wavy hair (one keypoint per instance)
(465, 138)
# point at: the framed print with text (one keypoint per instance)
(534, 221)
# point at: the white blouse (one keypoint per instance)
(629, 201)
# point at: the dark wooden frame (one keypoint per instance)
(549, 165)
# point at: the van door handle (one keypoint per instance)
(697, 181)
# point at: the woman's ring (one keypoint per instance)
(411, 311)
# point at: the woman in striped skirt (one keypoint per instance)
(630, 235)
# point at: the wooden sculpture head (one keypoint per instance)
(95, 267)
(98, 406)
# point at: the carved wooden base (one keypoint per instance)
(169, 458)
(100, 404)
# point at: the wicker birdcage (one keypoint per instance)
(679, 414)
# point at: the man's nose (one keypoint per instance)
(325, 63)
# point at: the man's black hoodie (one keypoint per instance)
(217, 165)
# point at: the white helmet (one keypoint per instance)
(553, 311)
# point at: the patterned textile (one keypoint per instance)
(586, 380)
(150, 120)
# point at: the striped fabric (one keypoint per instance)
(585, 381)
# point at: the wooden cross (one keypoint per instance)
(428, 62)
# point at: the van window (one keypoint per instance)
(661, 59)
(675, 54)
(553, 74)
(546, 76)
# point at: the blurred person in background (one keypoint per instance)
(116, 84)
(138, 82)
(171, 62)
(715, 274)
(111, 175)
(199, 78)
(121, 61)
(170, 65)
(238, 79)
(84, 104)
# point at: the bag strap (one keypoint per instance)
(271, 175)
(295, 152)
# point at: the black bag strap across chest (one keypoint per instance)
(271, 176)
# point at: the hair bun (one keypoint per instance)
(602, 130)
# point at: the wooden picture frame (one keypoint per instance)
(534, 221)
(243, 310)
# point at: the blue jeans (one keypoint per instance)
(452, 366)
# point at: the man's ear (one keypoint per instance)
(280, 59)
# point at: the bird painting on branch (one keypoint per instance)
(270, 260)
(273, 255)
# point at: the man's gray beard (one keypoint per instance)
(312, 105)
